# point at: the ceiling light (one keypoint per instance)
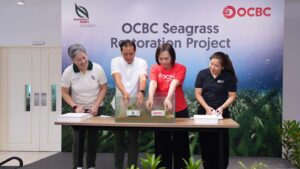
(20, 2)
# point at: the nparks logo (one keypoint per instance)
(83, 16)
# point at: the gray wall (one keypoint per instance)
(291, 61)
(39, 20)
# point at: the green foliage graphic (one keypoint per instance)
(259, 115)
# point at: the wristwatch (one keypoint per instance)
(143, 92)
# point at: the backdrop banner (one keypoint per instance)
(250, 32)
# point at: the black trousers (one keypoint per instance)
(119, 147)
(209, 145)
(79, 136)
(169, 144)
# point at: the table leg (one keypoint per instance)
(221, 148)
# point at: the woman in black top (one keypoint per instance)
(215, 90)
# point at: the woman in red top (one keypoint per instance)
(167, 77)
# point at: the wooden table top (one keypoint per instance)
(179, 123)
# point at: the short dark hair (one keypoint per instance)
(126, 43)
(165, 47)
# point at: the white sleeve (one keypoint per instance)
(144, 68)
(102, 77)
(65, 80)
(114, 66)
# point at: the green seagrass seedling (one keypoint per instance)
(133, 106)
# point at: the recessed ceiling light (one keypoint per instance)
(20, 2)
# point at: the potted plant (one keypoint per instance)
(290, 138)
(192, 164)
(132, 167)
(151, 162)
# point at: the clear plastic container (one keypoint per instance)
(129, 111)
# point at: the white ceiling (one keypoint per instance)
(31, 2)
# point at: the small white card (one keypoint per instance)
(133, 113)
(158, 112)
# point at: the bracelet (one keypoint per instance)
(74, 108)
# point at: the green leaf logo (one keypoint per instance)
(81, 11)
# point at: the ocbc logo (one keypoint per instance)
(166, 77)
(230, 12)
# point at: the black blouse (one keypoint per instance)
(215, 90)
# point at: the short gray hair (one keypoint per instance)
(74, 49)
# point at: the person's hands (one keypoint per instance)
(140, 98)
(126, 98)
(167, 104)
(149, 103)
(220, 110)
(79, 109)
(209, 110)
(94, 110)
